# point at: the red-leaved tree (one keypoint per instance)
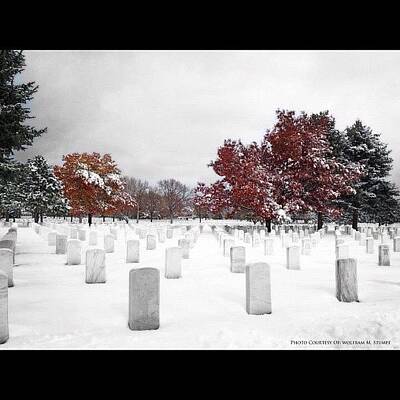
(92, 183)
(291, 171)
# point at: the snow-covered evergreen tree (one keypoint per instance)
(376, 198)
(15, 133)
(42, 191)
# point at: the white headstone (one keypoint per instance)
(384, 255)
(369, 245)
(82, 234)
(6, 265)
(293, 257)
(92, 238)
(61, 244)
(4, 334)
(346, 280)
(268, 246)
(51, 238)
(305, 246)
(228, 243)
(73, 252)
(342, 251)
(258, 289)
(238, 259)
(95, 266)
(173, 262)
(144, 299)
(396, 244)
(151, 242)
(132, 251)
(184, 244)
(109, 243)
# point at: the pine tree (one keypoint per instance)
(15, 133)
(375, 198)
(42, 191)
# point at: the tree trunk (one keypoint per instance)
(151, 217)
(7, 216)
(104, 218)
(355, 220)
(268, 225)
(36, 216)
(41, 218)
(72, 218)
(171, 219)
(90, 219)
(319, 225)
(137, 216)
(200, 217)
(80, 219)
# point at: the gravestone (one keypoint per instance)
(4, 334)
(184, 245)
(74, 234)
(73, 252)
(256, 240)
(114, 233)
(247, 237)
(170, 233)
(346, 280)
(151, 242)
(268, 246)
(61, 244)
(173, 262)
(51, 238)
(305, 246)
(161, 235)
(293, 257)
(6, 265)
(8, 244)
(384, 255)
(132, 251)
(95, 266)
(342, 251)
(370, 245)
(109, 243)
(82, 234)
(238, 259)
(228, 243)
(258, 289)
(396, 244)
(92, 238)
(144, 299)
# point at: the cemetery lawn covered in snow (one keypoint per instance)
(51, 306)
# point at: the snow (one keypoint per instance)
(51, 307)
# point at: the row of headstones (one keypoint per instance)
(7, 261)
(143, 282)
(342, 247)
(144, 290)
(237, 253)
(258, 282)
(306, 241)
(95, 258)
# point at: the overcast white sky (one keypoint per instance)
(164, 114)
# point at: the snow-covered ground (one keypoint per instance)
(52, 307)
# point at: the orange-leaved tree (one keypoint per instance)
(92, 183)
